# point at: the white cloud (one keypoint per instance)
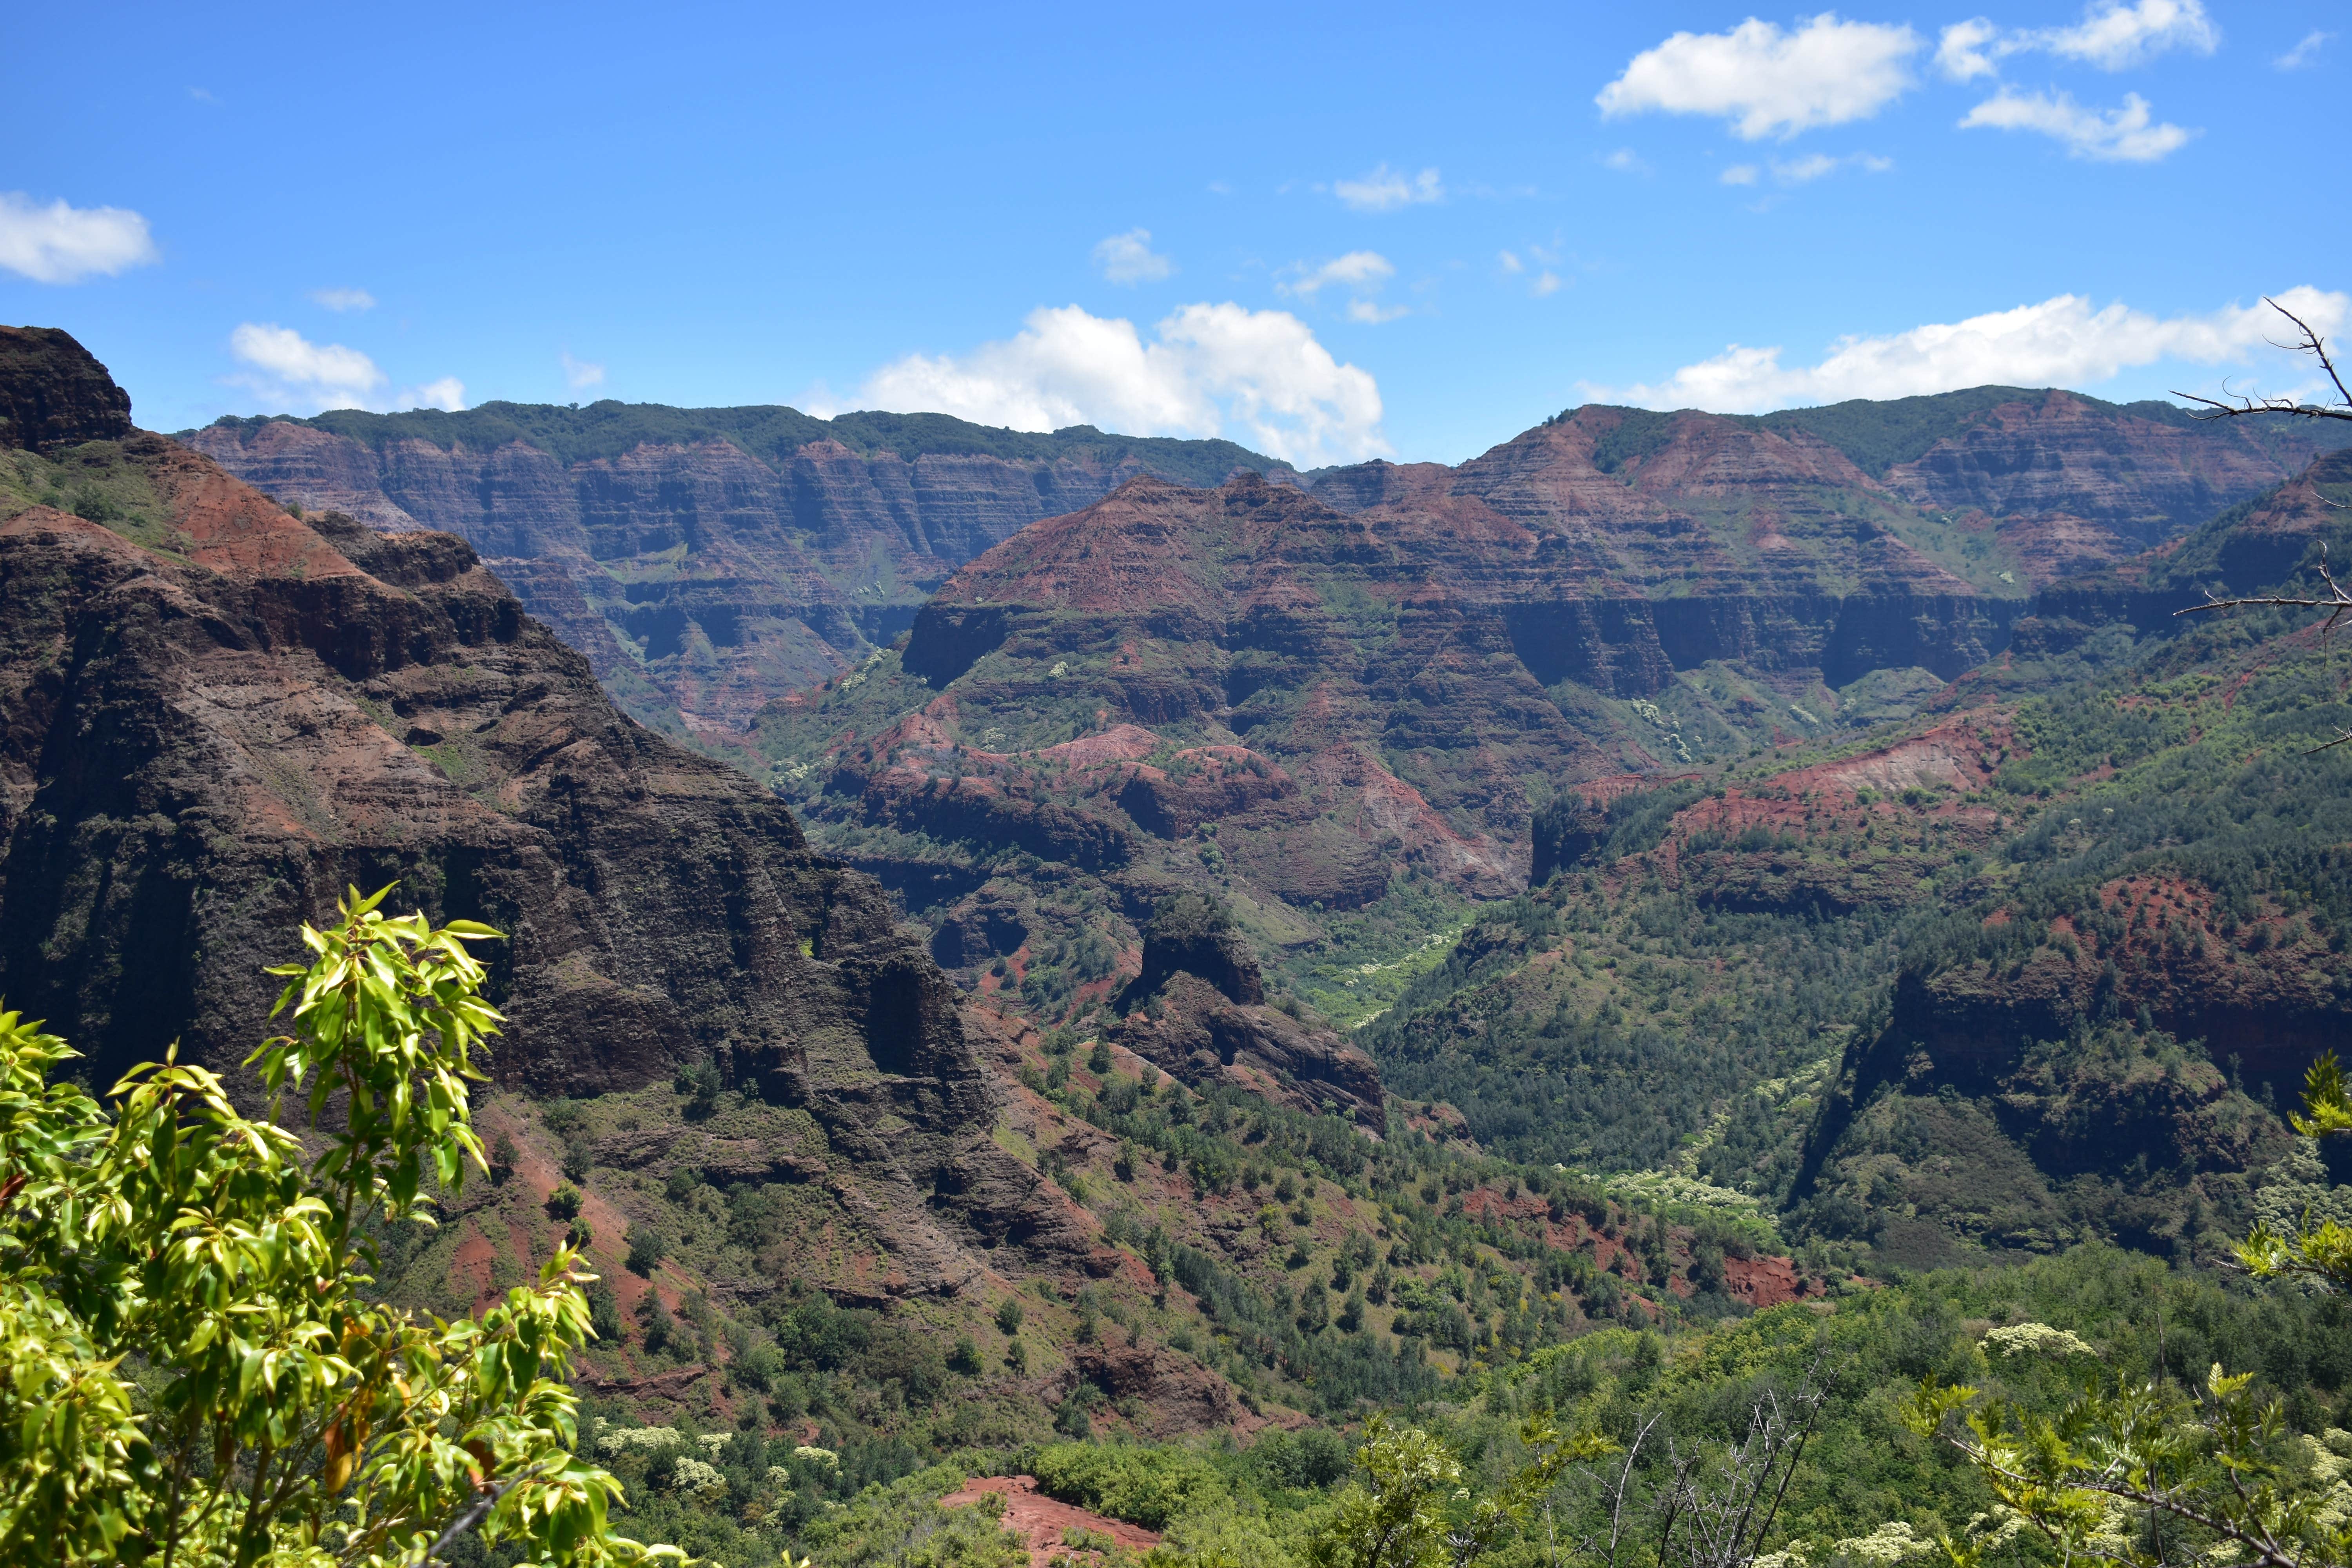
(1129, 259)
(1361, 273)
(2117, 135)
(1545, 282)
(2111, 36)
(1740, 175)
(1625, 160)
(1803, 170)
(1257, 376)
(1385, 189)
(2115, 37)
(2304, 52)
(287, 371)
(62, 244)
(448, 393)
(294, 369)
(1766, 81)
(341, 300)
(2059, 343)
(1357, 269)
(1966, 50)
(579, 374)
(1813, 166)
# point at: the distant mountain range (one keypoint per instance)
(709, 561)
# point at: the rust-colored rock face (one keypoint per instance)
(203, 745)
(706, 573)
(54, 394)
(2073, 484)
(700, 580)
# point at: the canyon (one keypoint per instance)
(710, 560)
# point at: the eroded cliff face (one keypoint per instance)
(205, 740)
(2070, 483)
(723, 561)
(700, 580)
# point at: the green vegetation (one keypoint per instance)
(1731, 1005)
(94, 482)
(609, 429)
(197, 1373)
(1607, 1449)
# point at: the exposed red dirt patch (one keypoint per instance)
(1040, 1521)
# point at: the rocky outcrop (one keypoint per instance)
(53, 394)
(1199, 1035)
(1197, 1011)
(1191, 934)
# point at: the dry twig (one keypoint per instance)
(2309, 342)
(2336, 604)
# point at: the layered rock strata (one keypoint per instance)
(203, 741)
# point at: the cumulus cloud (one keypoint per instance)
(287, 371)
(341, 300)
(2115, 135)
(579, 374)
(1625, 160)
(64, 244)
(2058, 343)
(2113, 37)
(289, 367)
(1385, 189)
(1965, 51)
(448, 393)
(1255, 376)
(1766, 81)
(2304, 52)
(1129, 259)
(1740, 175)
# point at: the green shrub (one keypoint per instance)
(647, 1248)
(1142, 1486)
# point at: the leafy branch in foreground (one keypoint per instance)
(1407, 1511)
(2141, 1476)
(191, 1371)
(2321, 1253)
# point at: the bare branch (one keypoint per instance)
(2336, 604)
(2309, 342)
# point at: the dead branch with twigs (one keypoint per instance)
(1716, 1505)
(2337, 603)
(2309, 342)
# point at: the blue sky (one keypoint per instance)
(1327, 233)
